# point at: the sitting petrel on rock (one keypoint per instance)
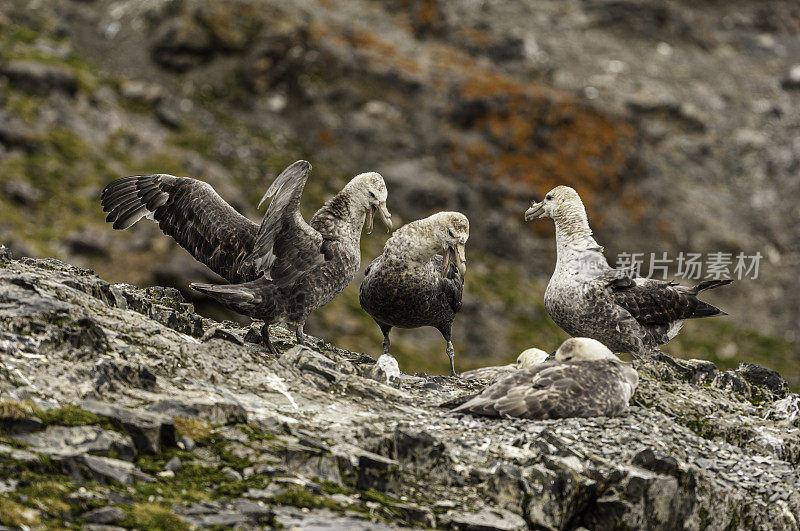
(586, 297)
(584, 380)
(280, 271)
(527, 358)
(410, 285)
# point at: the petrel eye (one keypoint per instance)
(372, 194)
(549, 197)
(450, 232)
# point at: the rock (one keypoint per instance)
(89, 243)
(21, 425)
(214, 411)
(148, 430)
(698, 444)
(15, 134)
(181, 44)
(174, 464)
(185, 443)
(484, 520)
(39, 78)
(105, 515)
(106, 469)
(792, 79)
(231, 474)
(110, 372)
(142, 92)
(764, 377)
(377, 472)
(386, 370)
(90, 439)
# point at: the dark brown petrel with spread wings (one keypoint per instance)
(281, 270)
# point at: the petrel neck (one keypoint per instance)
(575, 245)
(413, 244)
(340, 218)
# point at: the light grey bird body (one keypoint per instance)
(281, 270)
(587, 297)
(410, 285)
(527, 358)
(584, 380)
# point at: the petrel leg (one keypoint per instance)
(265, 336)
(386, 343)
(301, 337)
(451, 353)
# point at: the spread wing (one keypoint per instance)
(192, 213)
(286, 246)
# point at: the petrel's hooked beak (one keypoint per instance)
(458, 254)
(536, 211)
(383, 212)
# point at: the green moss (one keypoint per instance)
(155, 517)
(49, 495)
(15, 409)
(195, 429)
(302, 497)
(255, 434)
(15, 514)
(71, 416)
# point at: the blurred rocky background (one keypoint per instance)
(678, 122)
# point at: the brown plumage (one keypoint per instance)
(584, 380)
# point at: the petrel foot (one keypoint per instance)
(267, 343)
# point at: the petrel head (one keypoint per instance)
(369, 191)
(583, 349)
(451, 232)
(558, 202)
(531, 357)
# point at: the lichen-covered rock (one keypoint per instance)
(226, 435)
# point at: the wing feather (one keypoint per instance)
(286, 245)
(656, 302)
(558, 390)
(192, 213)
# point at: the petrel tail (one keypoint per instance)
(711, 284)
(233, 295)
(703, 308)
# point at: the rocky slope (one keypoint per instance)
(123, 407)
(676, 121)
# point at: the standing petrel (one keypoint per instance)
(587, 297)
(410, 285)
(283, 269)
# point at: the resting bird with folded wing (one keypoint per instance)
(527, 358)
(410, 285)
(587, 297)
(281, 270)
(584, 380)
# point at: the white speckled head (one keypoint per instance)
(419, 240)
(583, 349)
(531, 357)
(560, 204)
(368, 191)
